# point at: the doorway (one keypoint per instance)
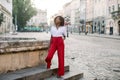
(103, 30)
(119, 27)
(111, 30)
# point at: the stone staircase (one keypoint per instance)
(68, 76)
(41, 73)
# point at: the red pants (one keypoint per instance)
(57, 43)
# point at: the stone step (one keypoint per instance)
(72, 75)
(35, 73)
(87, 78)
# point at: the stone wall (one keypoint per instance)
(22, 54)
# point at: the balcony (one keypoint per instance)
(116, 14)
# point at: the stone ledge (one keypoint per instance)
(22, 46)
(15, 38)
(22, 54)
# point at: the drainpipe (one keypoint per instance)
(85, 15)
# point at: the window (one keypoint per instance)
(109, 9)
(103, 21)
(119, 5)
(95, 23)
(113, 8)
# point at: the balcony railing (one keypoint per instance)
(116, 14)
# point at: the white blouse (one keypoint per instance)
(58, 32)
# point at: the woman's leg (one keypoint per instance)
(50, 54)
(61, 58)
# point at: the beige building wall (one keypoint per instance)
(113, 23)
(51, 21)
(6, 9)
(100, 7)
(75, 12)
(89, 11)
(71, 10)
(99, 16)
(67, 9)
(72, 15)
(39, 19)
(103, 9)
(89, 15)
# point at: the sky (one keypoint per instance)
(52, 6)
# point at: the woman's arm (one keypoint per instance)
(64, 36)
(50, 37)
(65, 33)
(50, 41)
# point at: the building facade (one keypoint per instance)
(94, 16)
(6, 10)
(83, 15)
(67, 13)
(39, 20)
(89, 15)
(99, 16)
(67, 9)
(113, 17)
(72, 14)
(102, 16)
(75, 8)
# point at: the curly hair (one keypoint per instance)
(61, 19)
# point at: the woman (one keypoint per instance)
(58, 34)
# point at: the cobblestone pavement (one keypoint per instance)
(96, 57)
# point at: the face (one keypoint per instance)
(57, 21)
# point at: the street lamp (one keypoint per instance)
(67, 22)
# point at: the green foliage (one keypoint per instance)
(1, 18)
(23, 10)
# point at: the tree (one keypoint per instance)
(23, 10)
(1, 18)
